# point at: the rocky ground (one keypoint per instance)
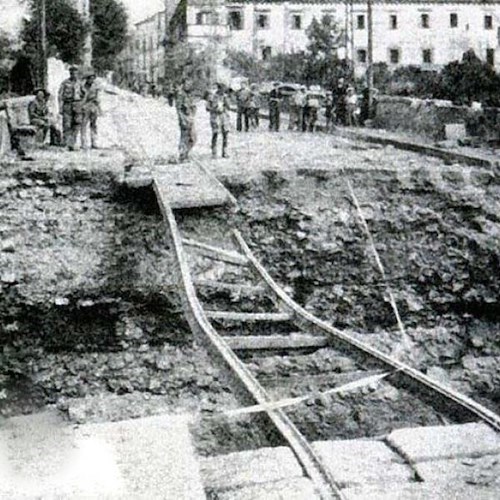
(88, 309)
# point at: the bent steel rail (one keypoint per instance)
(304, 318)
(312, 465)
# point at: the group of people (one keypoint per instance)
(340, 104)
(79, 107)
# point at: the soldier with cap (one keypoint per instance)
(91, 109)
(274, 108)
(243, 97)
(218, 106)
(186, 110)
(254, 107)
(38, 112)
(70, 107)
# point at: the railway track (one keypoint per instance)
(313, 333)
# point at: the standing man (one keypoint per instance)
(254, 108)
(186, 110)
(329, 114)
(339, 95)
(91, 110)
(312, 111)
(70, 107)
(243, 107)
(274, 108)
(218, 107)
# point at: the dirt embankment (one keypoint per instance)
(87, 310)
(438, 236)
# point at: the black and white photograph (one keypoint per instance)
(249, 249)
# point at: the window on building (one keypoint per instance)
(424, 20)
(362, 56)
(235, 20)
(202, 18)
(394, 56)
(427, 56)
(263, 21)
(488, 22)
(296, 21)
(453, 20)
(490, 57)
(360, 22)
(266, 53)
(393, 21)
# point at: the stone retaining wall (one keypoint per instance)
(428, 117)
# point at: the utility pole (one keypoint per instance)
(42, 17)
(369, 70)
(87, 55)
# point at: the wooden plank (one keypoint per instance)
(216, 253)
(238, 316)
(234, 288)
(189, 186)
(269, 342)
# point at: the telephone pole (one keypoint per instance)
(87, 51)
(42, 17)
(369, 70)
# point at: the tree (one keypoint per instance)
(66, 32)
(184, 62)
(470, 80)
(109, 32)
(6, 61)
(325, 38)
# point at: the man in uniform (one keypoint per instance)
(243, 107)
(254, 108)
(329, 113)
(38, 112)
(312, 111)
(186, 110)
(339, 94)
(274, 108)
(91, 110)
(70, 106)
(218, 107)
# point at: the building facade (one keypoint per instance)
(429, 33)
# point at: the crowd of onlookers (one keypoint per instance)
(304, 106)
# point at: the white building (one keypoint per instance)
(406, 32)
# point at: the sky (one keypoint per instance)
(140, 9)
(11, 11)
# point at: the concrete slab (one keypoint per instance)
(43, 457)
(421, 491)
(356, 462)
(187, 185)
(294, 489)
(445, 442)
(247, 468)
(483, 471)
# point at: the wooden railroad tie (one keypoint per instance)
(216, 253)
(239, 316)
(275, 342)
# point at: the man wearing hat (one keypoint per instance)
(274, 108)
(218, 107)
(186, 110)
(38, 112)
(91, 109)
(70, 107)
